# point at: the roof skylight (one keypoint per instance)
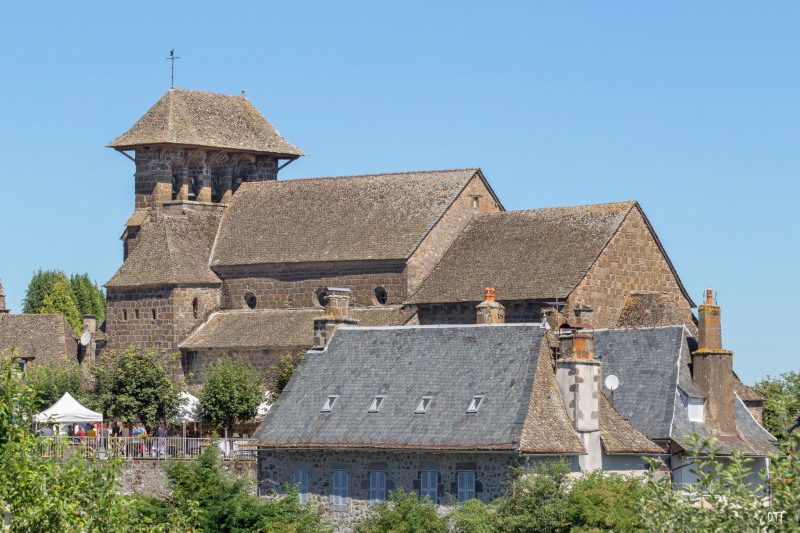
(422, 406)
(376, 404)
(329, 403)
(475, 404)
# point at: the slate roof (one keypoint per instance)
(652, 365)
(539, 253)
(346, 218)
(209, 120)
(242, 329)
(619, 437)
(46, 338)
(172, 249)
(450, 363)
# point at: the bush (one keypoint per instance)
(403, 512)
(605, 501)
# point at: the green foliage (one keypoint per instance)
(231, 392)
(51, 381)
(278, 375)
(403, 512)
(473, 517)
(59, 301)
(87, 297)
(41, 285)
(602, 501)
(723, 499)
(783, 402)
(44, 495)
(135, 384)
(536, 499)
(205, 499)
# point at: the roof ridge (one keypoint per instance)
(629, 203)
(176, 89)
(440, 171)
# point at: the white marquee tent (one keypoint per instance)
(67, 409)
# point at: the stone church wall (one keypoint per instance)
(632, 262)
(297, 286)
(436, 243)
(156, 317)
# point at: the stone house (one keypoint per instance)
(442, 410)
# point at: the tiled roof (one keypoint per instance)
(47, 338)
(618, 436)
(172, 249)
(746, 393)
(647, 309)
(540, 253)
(196, 118)
(348, 218)
(451, 364)
(288, 328)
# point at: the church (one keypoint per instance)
(447, 338)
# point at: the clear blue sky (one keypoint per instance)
(691, 108)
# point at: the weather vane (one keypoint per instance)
(172, 57)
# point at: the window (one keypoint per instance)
(300, 480)
(321, 296)
(466, 485)
(376, 404)
(124, 314)
(21, 364)
(381, 296)
(422, 406)
(137, 313)
(377, 486)
(251, 300)
(427, 484)
(695, 409)
(153, 313)
(328, 405)
(475, 404)
(340, 482)
(475, 201)
(195, 308)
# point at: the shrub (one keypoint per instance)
(403, 512)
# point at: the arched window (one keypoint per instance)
(381, 296)
(251, 300)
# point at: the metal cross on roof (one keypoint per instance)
(172, 57)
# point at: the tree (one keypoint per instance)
(136, 384)
(59, 301)
(88, 296)
(51, 381)
(41, 285)
(783, 402)
(403, 512)
(75, 493)
(231, 392)
(278, 375)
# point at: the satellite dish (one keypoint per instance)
(86, 337)
(612, 383)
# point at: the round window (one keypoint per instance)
(250, 300)
(381, 296)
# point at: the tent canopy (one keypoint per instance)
(67, 409)
(189, 411)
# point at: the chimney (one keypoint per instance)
(489, 311)
(337, 312)
(90, 323)
(3, 308)
(712, 370)
(578, 375)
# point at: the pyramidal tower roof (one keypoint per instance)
(208, 120)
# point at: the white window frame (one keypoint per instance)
(340, 480)
(300, 480)
(377, 486)
(429, 485)
(376, 404)
(695, 408)
(466, 485)
(329, 403)
(475, 404)
(424, 403)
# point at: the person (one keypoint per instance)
(47, 431)
(161, 444)
(81, 432)
(92, 432)
(138, 442)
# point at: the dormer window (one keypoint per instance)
(475, 404)
(695, 407)
(422, 406)
(326, 408)
(375, 406)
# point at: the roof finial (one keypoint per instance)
(244, 94)
(172, 57)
